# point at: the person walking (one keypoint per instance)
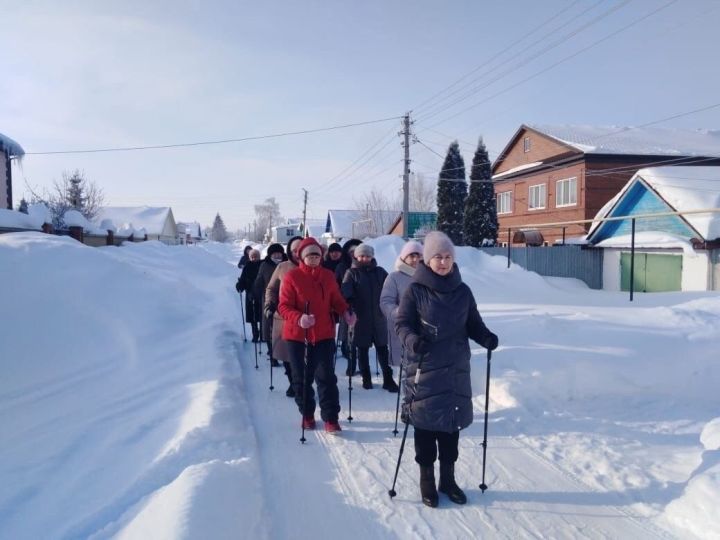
(436, 317)
(245, 257)
(361, 288)
(252, 301)
(309, 301)
(346, 260)
(272, 298)
(275, 255)
(333, 257)
(395, 285)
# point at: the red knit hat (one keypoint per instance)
(310, 245)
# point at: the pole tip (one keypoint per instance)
(392, 493)
(483, 487)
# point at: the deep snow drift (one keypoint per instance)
(131, 408)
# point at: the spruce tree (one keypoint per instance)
(219, 232)
(451, 194)
(480, 224)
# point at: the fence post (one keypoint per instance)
(508, 255)
(632, 259)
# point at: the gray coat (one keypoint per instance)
(392, 291)
(440, 312)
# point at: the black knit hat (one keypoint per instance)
(275, 248)
(334, 247)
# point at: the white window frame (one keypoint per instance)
(504, 195)
(537, 195)
(527, 144)
(566, 192)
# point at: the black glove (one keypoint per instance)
(238, 286)
(419, 345)
(491, 342)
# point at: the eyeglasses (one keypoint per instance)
(312, 256)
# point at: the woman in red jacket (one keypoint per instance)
(309, 299)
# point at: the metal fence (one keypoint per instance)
(571, 261)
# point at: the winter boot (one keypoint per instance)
(389, 383)
(427, 486)
(308, 422)
(332, 427)
(364, 363)
(290, 392)
(448, 485)
(367, 379)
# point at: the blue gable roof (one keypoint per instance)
(640, 199)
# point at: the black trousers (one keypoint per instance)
(319, 368)
(429, 443)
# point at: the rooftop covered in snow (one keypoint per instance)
(11, 148)
(152, 219)
(635, 140)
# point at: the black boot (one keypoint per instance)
(364, 364)
(448, 485)
(427, 486)
(389, 383)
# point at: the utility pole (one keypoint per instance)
(305, 213)
(406, 175)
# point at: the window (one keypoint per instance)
(536, 197)
(526, 144)
(504, 202)
(566, 192)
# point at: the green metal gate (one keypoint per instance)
(653, 273)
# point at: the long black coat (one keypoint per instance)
(442, 311)
(361, 288)
(267, 267)
(253, 306)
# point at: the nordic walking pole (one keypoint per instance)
(242, 310)
(305, 361)
(256, 363)
(483, 485)
(397, 405)
(351, 338)
(391, 491)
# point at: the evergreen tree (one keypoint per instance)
(451, 194)
(219, 232)
(480, 225)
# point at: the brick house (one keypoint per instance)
(550, 174)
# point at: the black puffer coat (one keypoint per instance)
(361, 288)
(253, 304)
(438, 314)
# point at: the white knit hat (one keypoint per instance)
(437, 242)
(364, 249)
(410, 247)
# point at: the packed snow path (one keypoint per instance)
(528, 497)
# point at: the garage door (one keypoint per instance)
(653, 273)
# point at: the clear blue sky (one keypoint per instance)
(88, 75)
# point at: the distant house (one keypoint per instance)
(419, 224)
(551, 174)
(189, 232)
(9, 150)
(283, 233)
(345, 224)
(673, 253)
(158, 222)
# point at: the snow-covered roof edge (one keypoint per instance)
(11, 147)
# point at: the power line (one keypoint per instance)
(494, 57)
(560, 41)
(561, 61)
(206, 143)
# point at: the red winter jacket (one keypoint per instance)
(318, 287)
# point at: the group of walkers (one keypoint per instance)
(419, 317)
